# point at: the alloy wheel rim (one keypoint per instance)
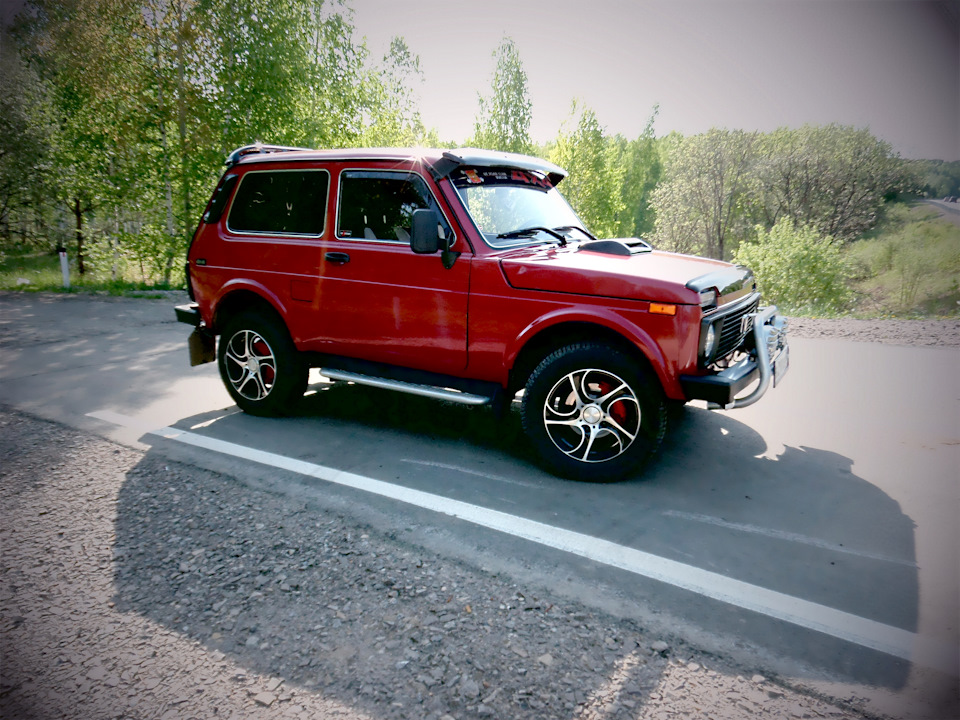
(250, 365)
(592, 415)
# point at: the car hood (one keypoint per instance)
(652, 275)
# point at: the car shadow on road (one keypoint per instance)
(289, 587)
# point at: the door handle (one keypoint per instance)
(337, 258)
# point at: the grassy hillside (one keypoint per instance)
(909, 265)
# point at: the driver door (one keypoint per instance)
(378, 300)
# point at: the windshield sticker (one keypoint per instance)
(489, 176)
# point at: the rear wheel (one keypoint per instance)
(259, 364)
(592, 413)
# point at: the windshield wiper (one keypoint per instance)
(578, 229)
(531, 231)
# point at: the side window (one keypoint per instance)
(280, 202)
(379, 205)
(219, 200)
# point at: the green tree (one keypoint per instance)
(147, 96)
(595, 185)
(936, 178)
(90, 54)
(700, 207)
(642, 168)
(26, 125)
(503, 122)
(395, 120)
(180, 118)
(334, 109)
(834, 177)
(797, 269)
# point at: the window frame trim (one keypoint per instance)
(383, 241)
(275, 233)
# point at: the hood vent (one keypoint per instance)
(624, 247)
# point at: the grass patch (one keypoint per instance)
(29, 271)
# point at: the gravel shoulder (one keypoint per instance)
(135, 587)
(917, 333)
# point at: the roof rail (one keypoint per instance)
(257, 148)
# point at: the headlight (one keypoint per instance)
(710, 342)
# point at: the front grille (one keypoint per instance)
(730, 326)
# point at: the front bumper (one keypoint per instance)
(767, 362)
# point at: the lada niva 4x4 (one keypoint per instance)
(465, 276)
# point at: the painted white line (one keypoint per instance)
(781, 535)
(467, 471)
(836, 623)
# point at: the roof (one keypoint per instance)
(441, 162)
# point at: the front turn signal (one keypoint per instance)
(663, 309)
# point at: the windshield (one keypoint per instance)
(512, 207)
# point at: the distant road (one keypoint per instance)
(950, 211)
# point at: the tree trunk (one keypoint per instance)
(182, 117)
(78, 214)
(167, 181)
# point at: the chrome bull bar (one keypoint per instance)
(770, 341)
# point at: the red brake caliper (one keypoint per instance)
(261, 349)
(617, 410)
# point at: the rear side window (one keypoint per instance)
(280, 202)
(379, 205)
(219, 200)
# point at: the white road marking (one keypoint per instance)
(467, 471)
(782, 535)
(894, 641)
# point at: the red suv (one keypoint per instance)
(465, 276)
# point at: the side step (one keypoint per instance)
(430, 391)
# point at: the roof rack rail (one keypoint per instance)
(258, 148)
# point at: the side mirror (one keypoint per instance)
(425, 232)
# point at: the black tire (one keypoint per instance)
(259, 364)
(592, 413)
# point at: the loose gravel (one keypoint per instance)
(136, 587)
(918, 333)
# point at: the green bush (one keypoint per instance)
(798, 270)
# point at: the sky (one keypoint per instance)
(892, 66)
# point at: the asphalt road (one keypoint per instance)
(814, 533)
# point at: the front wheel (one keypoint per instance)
(259, 364)
(592, 413)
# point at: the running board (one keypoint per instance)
(430, 391)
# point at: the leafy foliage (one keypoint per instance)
(130, 106)
(26, 127)
(595, 183)
(835, 178)
(395, 120)
(642, 162)
(936, 178)
(503, 122)
(700, 207)
(797, 269)
(115, 116)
